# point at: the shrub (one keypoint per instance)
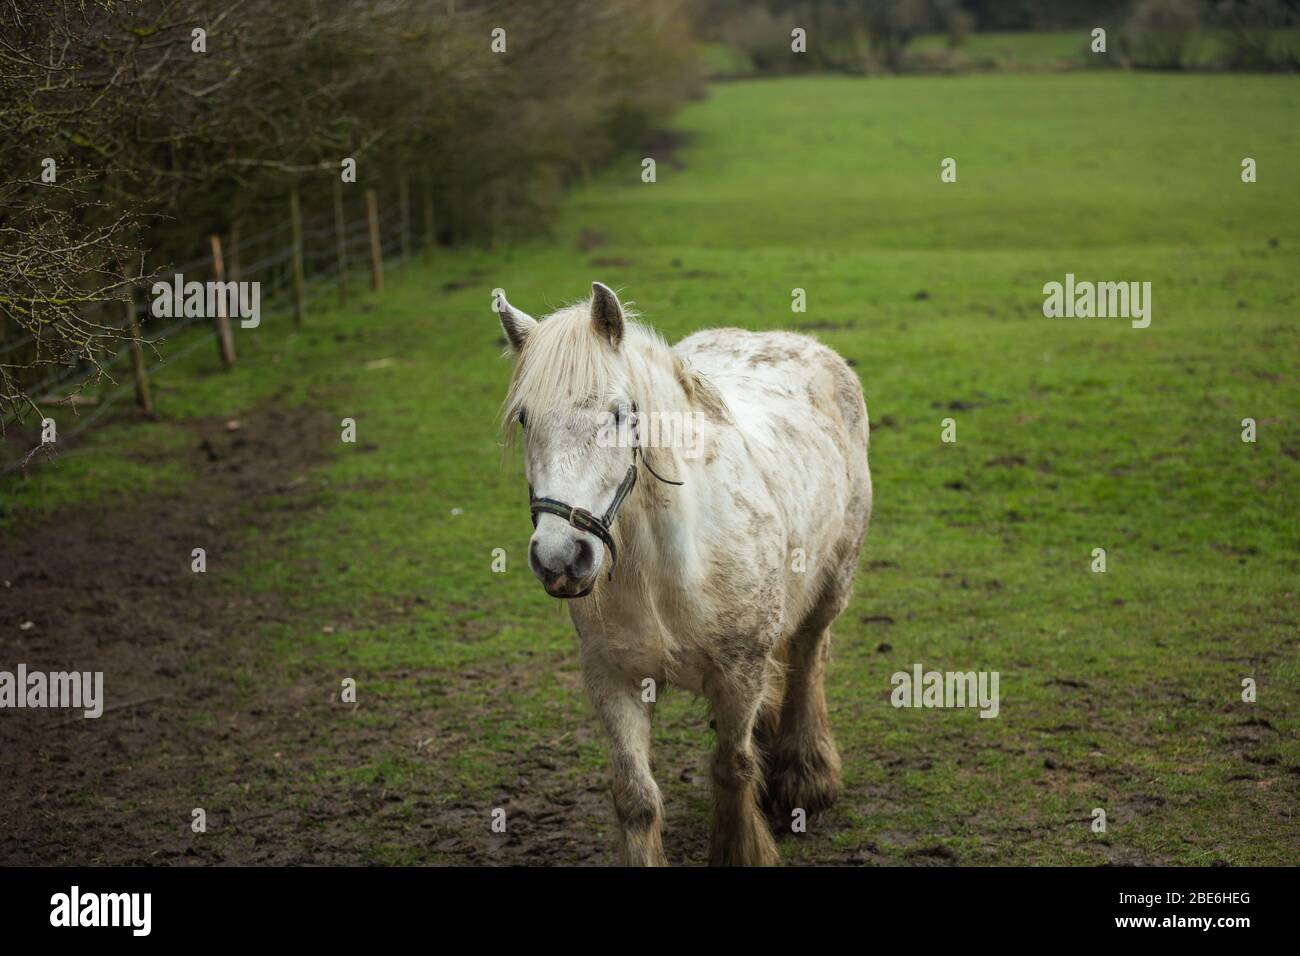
(960, 24)
(1254, 35)
(893, 24)
(1159, 33)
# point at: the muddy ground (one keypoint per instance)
(112, 590)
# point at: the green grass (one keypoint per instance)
(1207, 49)
(1119, 690)
(1019, 50)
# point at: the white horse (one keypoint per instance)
(720, 569)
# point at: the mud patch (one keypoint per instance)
(110, 588)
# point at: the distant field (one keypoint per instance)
(982, 50)
(1013, 51)
(1120, 690)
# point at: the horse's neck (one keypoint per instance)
(662, 516)
(658, 515)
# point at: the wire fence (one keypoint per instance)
(291, 276)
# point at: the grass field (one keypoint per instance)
(1017, 50)
(1120, 691)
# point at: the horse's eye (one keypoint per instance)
(523, 418)
(622, 411)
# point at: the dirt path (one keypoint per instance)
(112, 590)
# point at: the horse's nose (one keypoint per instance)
(581, 566)
(542, 560)
(553, 557)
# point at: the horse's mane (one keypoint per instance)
(564, 363)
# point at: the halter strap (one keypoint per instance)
(584, 520)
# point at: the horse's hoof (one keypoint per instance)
(807, 780)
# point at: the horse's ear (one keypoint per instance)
(517, 325)
(606, 313)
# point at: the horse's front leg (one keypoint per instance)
(740, 833)
(637, 802)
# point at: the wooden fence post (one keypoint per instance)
(299, 293)
(404, 201)
(376, 253)
(225, 341)
(430, 240)
(341, 242)
(142, 396)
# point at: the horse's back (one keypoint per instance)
(770, 369)
(799, 452)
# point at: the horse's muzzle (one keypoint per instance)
(564, 561)
(562, 589)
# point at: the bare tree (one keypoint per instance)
(133, 129)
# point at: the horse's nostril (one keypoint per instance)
(582, 559)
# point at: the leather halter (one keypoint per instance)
(582, 519)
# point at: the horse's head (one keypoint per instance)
(579, 374)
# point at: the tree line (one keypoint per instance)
(870, 35)
(130, 130)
